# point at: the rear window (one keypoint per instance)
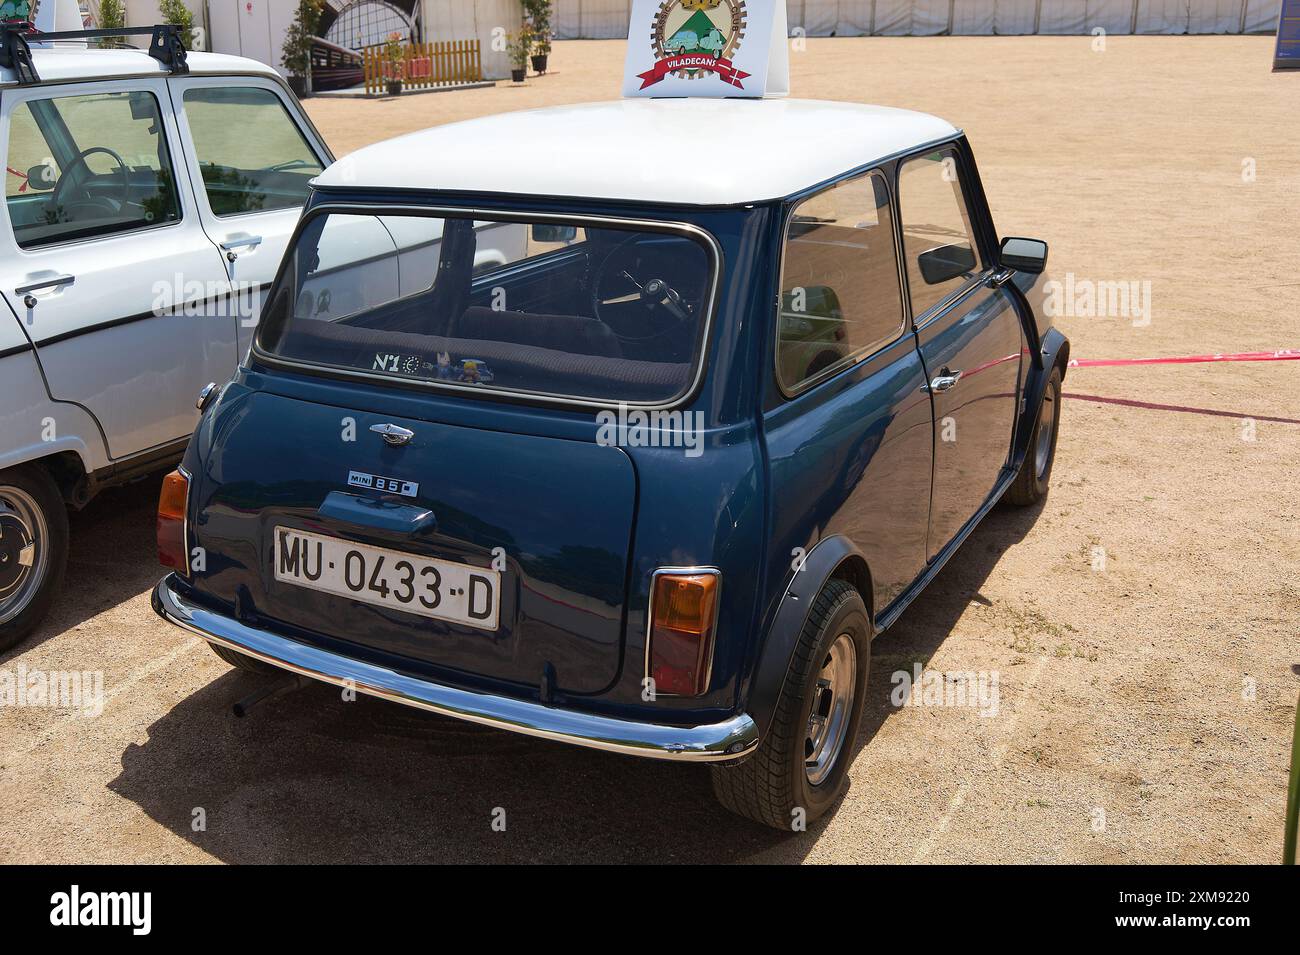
(572, 311)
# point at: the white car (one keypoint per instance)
(149, 197)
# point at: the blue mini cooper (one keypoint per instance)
(627, 425)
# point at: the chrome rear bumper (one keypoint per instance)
(712, 742)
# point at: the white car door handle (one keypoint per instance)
(56, 281)
(239, 242)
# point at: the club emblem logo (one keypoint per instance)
(693, 38)
(18, 10)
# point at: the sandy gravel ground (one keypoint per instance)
(1145, 705)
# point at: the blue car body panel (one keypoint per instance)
(843, 479)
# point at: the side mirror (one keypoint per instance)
(41, 178)
(1024, 255)
(546, 232)
(946, 262)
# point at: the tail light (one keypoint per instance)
(683, 618)
(172, 547)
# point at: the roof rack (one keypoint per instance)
(165, 45)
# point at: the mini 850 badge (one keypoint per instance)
(377, 482)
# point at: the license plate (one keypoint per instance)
(388, 578)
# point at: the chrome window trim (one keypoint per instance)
(941, 307)
(650, 622)
(867, 351)
(87, 240)
(705, 237)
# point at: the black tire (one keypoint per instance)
(771, 784)
(243, 662)
(1030, 485)
(39, 488)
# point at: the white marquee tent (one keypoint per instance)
(608, 19)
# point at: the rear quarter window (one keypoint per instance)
(593, 312)
(840, 295)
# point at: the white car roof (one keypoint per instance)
(674, 151)
(64, 63)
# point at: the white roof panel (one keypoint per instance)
(681, 151)
(64, 63)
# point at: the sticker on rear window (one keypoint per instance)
(472, 371)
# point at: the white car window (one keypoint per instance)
(87, 166)
(245, 173)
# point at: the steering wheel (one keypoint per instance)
(623, 287)
(99, 202)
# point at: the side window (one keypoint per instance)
(30, 163)
(840, 297)
(242, 172)
(938, 240)
(87, 166)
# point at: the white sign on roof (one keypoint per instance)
(709, 48)
(49, 15)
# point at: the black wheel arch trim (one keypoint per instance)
(834, 556)
(837, 556)
(1055, 353)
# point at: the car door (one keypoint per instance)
(252, 156)
(969, 335)
(104, 261)
(849, 438)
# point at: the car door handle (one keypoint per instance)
(945, 382)
(53, 282)
(394, 435)
(57, 281)
(239, 242)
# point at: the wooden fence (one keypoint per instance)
(425, 65)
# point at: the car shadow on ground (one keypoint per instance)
(926, 623)
(307, 777)
(112, 557)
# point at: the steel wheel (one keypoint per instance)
(1046, 432)
(828, 723)
(801, 766)
(24, 550)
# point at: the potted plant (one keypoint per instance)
(395, 54)
(519, 46)
(297, 45)
(175, 13)
(537, 20)
(112, 16)
(543, 49)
